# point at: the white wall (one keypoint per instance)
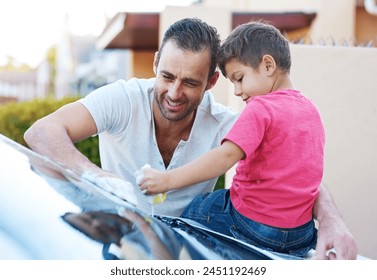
(335, 21)
(342, 82)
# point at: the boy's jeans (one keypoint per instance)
(215, 211)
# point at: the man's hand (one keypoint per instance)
(113, 184)
(335, 241)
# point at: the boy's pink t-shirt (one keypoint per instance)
(283, 138)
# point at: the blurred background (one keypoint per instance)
(53, 52)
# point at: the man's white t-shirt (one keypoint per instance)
(123, 115)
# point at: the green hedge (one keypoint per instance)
(17, 117)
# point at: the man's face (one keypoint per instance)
(181, 79)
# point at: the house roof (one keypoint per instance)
(140, 31)
(137, 31)
(285, 22)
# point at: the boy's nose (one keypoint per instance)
(237, 91)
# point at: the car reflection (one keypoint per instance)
(135, 236)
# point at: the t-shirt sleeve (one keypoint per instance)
(110, 107)
(249, 129)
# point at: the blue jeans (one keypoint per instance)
(216, 211)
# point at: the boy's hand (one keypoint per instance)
(154, 181)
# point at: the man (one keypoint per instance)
(166, 122)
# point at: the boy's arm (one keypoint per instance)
(210, 165)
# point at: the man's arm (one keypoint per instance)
(332, 232)
(54, 136)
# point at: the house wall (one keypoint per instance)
(265, 5)
(142, 64)
(341, 12)
(366, 26)
(335, 21)
(341, 81)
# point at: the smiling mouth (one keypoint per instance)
(173, 104)
(176, 105)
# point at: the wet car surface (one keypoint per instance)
(50, 212)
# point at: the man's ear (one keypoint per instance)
(269, 64)
(155, 63)
(212, 81)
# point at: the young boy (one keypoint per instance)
(278, 142)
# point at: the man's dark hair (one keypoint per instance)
(193, 34)
(249, 42)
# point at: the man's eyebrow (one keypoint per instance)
(192, 81)
(167, 73)
(186, 80)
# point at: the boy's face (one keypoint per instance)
(248, 82)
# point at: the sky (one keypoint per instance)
(28, 28)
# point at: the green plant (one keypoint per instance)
(220, 183)
(17, 117)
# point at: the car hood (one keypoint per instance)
(51, 212)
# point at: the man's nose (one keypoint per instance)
(175, 90)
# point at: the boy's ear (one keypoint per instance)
(269, 64)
